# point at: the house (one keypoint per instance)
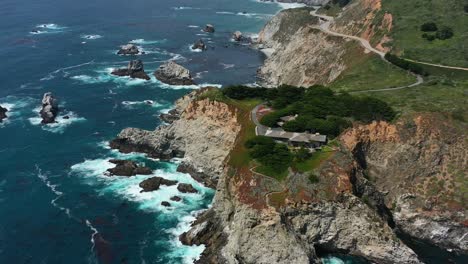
(285, 119)
(297, 139)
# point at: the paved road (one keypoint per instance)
(325, 27)
(260, 130)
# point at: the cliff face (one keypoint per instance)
(299, 54)
(203, 135)
(255, 219)
(420, 164)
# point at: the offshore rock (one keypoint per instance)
(199, 45)
(165, 203)
(186, 188)
(129, 49)
(153, 184)
(127, 168)
(49, 109)
(133, 70)
(173, 74)
(306, 2)
(237, 36)
(209, 28)
(3, 115)
(170, 117)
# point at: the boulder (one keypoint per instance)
(186, 188)
(176, 198)
(174, 74)
(127, 168)
(237, 36)
(129, 49)
(153, 183)
(3, 113)
(165, 203)
(134, 70)
(209, 28)
(199, 45)
(49, 109)
(170, 117)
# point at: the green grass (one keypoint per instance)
(370, 73)
(408, 16)
(313, 162)
(267, 171)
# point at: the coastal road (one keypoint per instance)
(260, 129)
(325, 22)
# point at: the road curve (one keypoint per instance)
(325, 27)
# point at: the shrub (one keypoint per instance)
(241, 92)
(313, 178)
(429, 27)
(302, 154)
(404, 64)
(466, 8)
(429, 37)
(444, 33)
(270, 154)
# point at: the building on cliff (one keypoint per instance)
(297, 139)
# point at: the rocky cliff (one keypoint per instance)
(203, 135)
(299, 54)
(420, 165)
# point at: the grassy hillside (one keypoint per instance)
(408, 16)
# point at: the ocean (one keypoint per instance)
(56, 206)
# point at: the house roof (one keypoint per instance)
(295, 137)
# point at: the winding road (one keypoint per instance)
(324, 26)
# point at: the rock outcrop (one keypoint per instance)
(209, 28)
(127, 168)
(128, 49)
(297, 53)
(420, 164)
(3, 115)
(203, 135)
(173, 74)
(134, 69)
(49, 109)
(153, 184)
(237, 36)
(186, 188)
(199, 45)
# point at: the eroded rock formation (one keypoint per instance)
(49, 109)
(127, 168)
(128, 49)
(134, 69)
(3, 115)
(174, 74)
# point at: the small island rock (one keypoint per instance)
(134, 70)
(186, 188)
(127, 168)
(199, 45)
(176, 198)
(237, 36)
(153, 183)
(49, 109)
(3, 113)
(165, 203)
(173, 74)
(129, 49)
(209, 28)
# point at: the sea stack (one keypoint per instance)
(127, 168)
(3, 113)
(49, 109)
(237, 36)
(173, 74)
(199, 45)
(134, 70)
(153, 183)
(129, 49)
(209, 28)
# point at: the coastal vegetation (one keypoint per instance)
(448, 45)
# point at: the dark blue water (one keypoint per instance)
(55, 204)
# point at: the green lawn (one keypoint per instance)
(272, 173)
(314, 161)
(408, 16)
(370, 73)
